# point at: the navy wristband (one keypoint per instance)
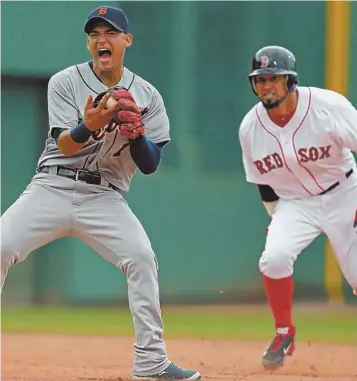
(80, 133)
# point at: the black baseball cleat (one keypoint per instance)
(282, 345)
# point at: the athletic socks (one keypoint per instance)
(279, 293)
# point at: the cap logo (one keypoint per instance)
(102, 11)
(264, 62)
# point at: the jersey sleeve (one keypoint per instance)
(62, 109)
(251, 173)
(156, 121)
(346, 125)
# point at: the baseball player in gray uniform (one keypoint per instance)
(88, 162)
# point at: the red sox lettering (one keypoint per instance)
(314, 154)
(275, 160)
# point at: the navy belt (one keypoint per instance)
(79, 175)
(333, 186)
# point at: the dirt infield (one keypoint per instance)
(93, 358)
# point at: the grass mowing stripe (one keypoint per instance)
(180, 323)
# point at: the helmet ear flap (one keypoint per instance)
(252, 82)
(291, 82)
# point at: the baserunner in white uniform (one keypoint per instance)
(297, 144)
(86, 167)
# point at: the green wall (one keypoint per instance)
(205, 222)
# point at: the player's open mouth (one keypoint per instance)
(104, 54)
(268, 95)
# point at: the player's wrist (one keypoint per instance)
(80, 133)
(91, 126)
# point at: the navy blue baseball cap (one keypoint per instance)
(114, 16)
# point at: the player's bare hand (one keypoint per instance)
(98, 117)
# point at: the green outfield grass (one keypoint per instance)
(187, 322)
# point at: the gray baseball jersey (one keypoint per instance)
(95, 214)
(107, 152)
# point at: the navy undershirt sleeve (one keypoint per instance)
(146, 154)
(267, 193)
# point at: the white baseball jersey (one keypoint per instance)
(309, 154)
(106, 152)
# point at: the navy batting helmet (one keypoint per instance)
(275, 60)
